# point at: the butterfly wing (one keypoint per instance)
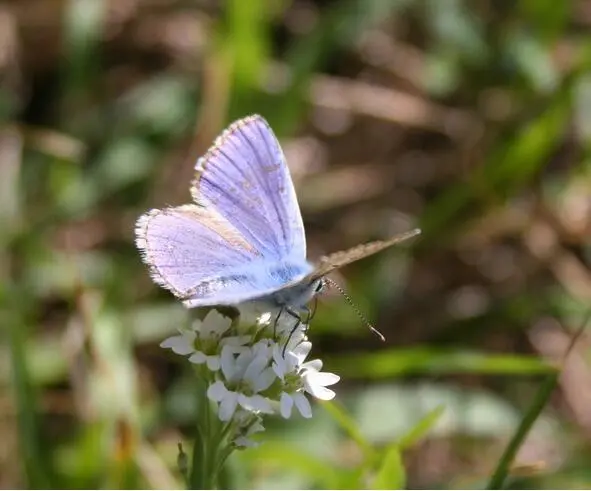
(342, 258)
(300, 291)
(245, 177)
(201, 258)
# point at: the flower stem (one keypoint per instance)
(210, 447)
(224, 447)
(201, 469)
(197, 476)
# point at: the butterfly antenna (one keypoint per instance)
(355, 308)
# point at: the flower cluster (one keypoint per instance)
(255, 365)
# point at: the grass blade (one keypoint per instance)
(31, 448)
(541, 398)
(501, 472)
(391, 474)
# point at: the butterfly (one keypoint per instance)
(243, 238)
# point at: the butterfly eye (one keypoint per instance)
(319, 286)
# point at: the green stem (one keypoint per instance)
(197, 466)
(210, 447)
(497, 480)
(223, 457)
(225, 448)
(211, 451)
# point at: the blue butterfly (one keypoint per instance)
(243, 239)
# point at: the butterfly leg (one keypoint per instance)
(276, 321)
(309, 316)
(291, 333)
(312, 313)
(298, 319)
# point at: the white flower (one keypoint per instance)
(298, 399)
(182, 344)
(205, 341)
(290, 329)
(290, 363)
(257, 367)
(227, 400)
(213, 326)
(247, 425)
(298, 377)
(297, 337)
(246, 375)
(256, 314)
(315, 381)
(212, 361)
(264, 319)
(243, 441)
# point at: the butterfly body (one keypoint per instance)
(295, 296)
(243, 239)
(277, 285)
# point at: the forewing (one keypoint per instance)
(190, 249)
(342, 258)
(245, 177)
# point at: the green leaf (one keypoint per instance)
(510, 166)
(391, 474)
(32, 449)
(501, 472)
(549, 17)
(348, 424)
(419, 430)
(249, 40)
(288, 457)
(540, 400)
(397, 362)
(83, 28)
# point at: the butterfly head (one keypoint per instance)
(298, 295)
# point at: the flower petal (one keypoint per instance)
(284, 364)
(262, 404)
(228, 406)
(213, 363)
(264, 380)
(302, 404)
(279, 365)
(250, 312)
(320, 392)
(285, 405)
(263, 348)
(236, 342)
(325, 378)
(279, 371)
(216, 391)
(302, 350)
(215, 324)
(198, 357)
(264, 319)
(228, 363)
(183, 344)
(255, 403)
(242, 360)
(294, 339)
(254, 368)
(315, 365)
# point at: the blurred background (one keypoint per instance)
(468, 118)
